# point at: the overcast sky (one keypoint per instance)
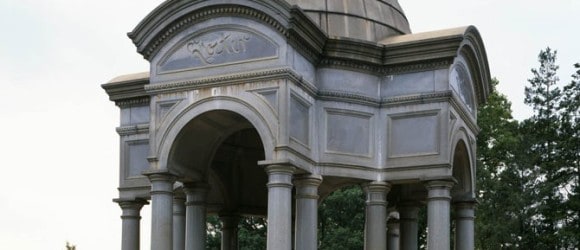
(59, 150)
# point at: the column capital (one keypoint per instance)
(136, 203)
(280, 169)
(313, 178)
(160, 175)
(196, 193)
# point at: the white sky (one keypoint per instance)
(59, 150)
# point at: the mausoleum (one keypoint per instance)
(264, 107)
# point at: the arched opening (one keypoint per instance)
(222, 149)
(463, 189)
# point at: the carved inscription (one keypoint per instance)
(226, 45)
(216, 48)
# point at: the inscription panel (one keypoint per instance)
(414, 135)
(348, 133)
(216, 48)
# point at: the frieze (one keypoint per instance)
(219, 47)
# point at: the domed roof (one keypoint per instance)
(370, 20)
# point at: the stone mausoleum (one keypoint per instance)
(265, 107)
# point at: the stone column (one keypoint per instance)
(179, 222)
(195, 215)
(409, 227)
(230, 232)
(306, 237)
(464, 225)
(393, 235)
(161, 210)
(438, 214)
(279, 207)
(376, 215)
(130, 218)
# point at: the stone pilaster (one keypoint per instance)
(195, 215)
(161, 210)
(464, 224)
(279, 207)
(438, 214)
(376, 215)
(131, 222)
(306, 237)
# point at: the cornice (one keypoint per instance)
(127, 89)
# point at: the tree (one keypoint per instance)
(341, 219)
(502, 178)
(570, 156)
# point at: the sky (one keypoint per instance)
(59, 150)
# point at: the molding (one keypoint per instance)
(348, 97)
(264, 75)
(133, 129)
(139, 101)
(417, 99)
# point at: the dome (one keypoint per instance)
(370, 20)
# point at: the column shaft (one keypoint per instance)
(376, 215)
(131, 227)
(230, 232)
(438, 214)
(161, 210)
(409, 227)
(195, 216)
(464, 225)
(178, 223)
(393, 236)
(306, 224)
(279, 207)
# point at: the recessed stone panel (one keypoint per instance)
(299, 120)
(218, 47)
(413, 135)
(136, 158)
(348, 133)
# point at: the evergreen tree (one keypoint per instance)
(548, 155)
(569, 173)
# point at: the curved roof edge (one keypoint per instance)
(462, 41)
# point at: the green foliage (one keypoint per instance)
(502, 180)
(341, 219)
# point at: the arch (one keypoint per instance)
(462, 166)
(260, 121)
